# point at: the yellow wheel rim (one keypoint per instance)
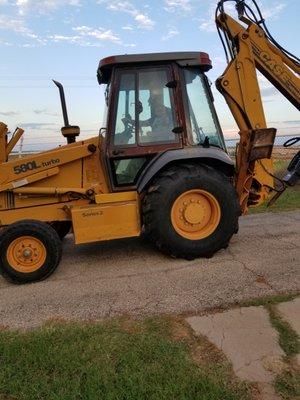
(195, 214)
(26, 254)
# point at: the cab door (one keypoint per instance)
(144, 120)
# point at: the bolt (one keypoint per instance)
(226, 83)
(26, 253)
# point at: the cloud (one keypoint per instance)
(177, 6)
(98, 33)
(130, 45)
(43, 6)
(44, 111)
(295, 121)
(15, 25)
(63, 38)
(9, 113)
(5, 43)
(171, 33)
(208, 25)
(142, 20)
(272, 12)
(84, 34)
(127, 28)
(18, 26)
(269, 91)
(37, 125)
(219, 61)
(122, 6)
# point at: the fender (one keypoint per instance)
(215, 157)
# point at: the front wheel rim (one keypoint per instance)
(195, 214)
(26, 254)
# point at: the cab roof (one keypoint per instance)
(184, 59)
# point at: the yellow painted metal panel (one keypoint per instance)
(106, 222)
(116, 197)
(18, 183)
(48, 212)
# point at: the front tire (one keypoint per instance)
(191, 211)
(29, 251)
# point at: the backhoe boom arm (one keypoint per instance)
(252, 50)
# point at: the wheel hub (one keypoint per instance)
(195, 214)
(26, 254)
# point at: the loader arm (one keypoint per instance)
(251, 50)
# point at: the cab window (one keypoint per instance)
(145, 109)
(204, 125)
(125, 117)
(156, 117)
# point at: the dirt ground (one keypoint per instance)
(129, 277)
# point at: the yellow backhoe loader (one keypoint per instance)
(160, 166)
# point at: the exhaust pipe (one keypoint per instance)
(68, 131)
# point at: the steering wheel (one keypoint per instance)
(128, 121)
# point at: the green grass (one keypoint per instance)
(288, 201)
(287, 384)
(115, 360)
(288, 338)
(269, 300)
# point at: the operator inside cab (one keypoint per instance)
(160, 123)
(144, 112)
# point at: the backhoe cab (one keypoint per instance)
(160, 109)
(159, 166)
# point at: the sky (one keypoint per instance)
(65, 39)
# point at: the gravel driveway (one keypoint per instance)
(129, 277)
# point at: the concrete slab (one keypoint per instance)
(290, 311)
(247, 338)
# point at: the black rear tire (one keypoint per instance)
(62, 228)
(14, 266)
(164, 192)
